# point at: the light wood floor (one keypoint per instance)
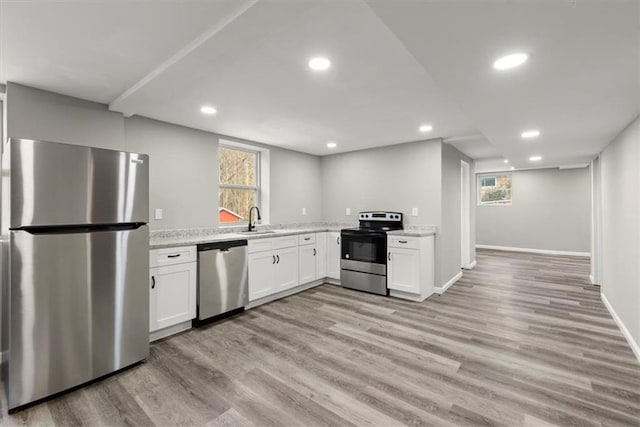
(520, 340)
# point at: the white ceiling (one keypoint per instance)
(394, 67)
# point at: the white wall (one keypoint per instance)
(38, 114)
(550, 210)
(184, 171)
(296, 183)
(450, 228)
(400, 177)
(620, 192)
(397, 177)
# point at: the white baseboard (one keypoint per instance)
(443, 289)
(286, 293)
(535, 251)
(171, 330)
(470, 266)
(632, 343)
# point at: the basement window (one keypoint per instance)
(494, 190)
(239, 184)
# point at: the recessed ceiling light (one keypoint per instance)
(512, 168)
(510, 61)
(506, 161)
(319, 63)
(535, 158)
(425, 128)
(528, 134)
(331, 145)
(207, 110)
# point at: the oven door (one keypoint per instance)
(364, 250)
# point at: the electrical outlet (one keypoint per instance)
(414, 212)
(347, 211)
(158, 214)
(304, 211)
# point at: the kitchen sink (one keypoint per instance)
(253, 232)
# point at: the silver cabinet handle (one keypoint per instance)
(338, 240)
(278, 262)
(274, 259)
(389, 256)
(307, 238)
(402, 241)
(173, 256)
(153, 282)
(314, 251)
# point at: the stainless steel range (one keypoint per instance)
(363, 265)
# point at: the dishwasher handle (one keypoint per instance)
(221, 245)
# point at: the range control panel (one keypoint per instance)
(380, 216)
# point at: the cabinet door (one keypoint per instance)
(333, 255)
(321, 255)
(286, 268)
(307, 263)
(173, 295)
(403, 270)
(261, 271)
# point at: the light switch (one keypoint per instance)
(304, 211)
(347, 211)
(158, 214)
(414, 211)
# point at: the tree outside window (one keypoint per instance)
(239, 184)
(494, 190)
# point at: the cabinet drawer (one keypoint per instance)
(260, 245)
(285, 242)
(307, 238)
(271, 243)
(404, 242)
(171, 256)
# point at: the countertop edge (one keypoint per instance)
(227, 237)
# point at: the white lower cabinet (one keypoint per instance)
(321, 255)
(287, 268)
(307, 263)
(411, 267)
(333, 255)
(261, 275)
(173, 287)
(273, 266)
(313, 257)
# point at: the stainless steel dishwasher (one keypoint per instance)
(222, 279)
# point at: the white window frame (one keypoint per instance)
(262, 177)
(495, 175)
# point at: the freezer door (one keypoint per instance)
(79, 309)
(60, 184)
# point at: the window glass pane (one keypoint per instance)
(489, 181)
(237, 167)
(235, 204)
(495, 190)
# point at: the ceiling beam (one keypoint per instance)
(118, 104)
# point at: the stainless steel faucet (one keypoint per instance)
(252, 226)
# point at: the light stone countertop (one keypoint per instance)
(194, 236)
(415, 231)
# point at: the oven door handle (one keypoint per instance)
(389, 256)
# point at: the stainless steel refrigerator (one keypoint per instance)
(75, 266)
